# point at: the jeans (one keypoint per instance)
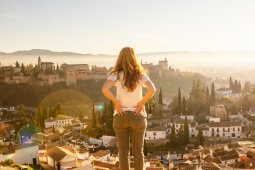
(123, 126)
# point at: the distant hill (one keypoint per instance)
(45, 52)
(2, 53)
(42, 52)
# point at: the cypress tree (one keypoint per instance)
(172, 139)
(186, 131)
(239, 87)
(81, 114)
(145, 150)
(160, 97)
(53, 129)
(93, 124)
(179, 101)
(181, 136)
(207, 94)
(184, 111)
(230, 83)
(200, 138)
(212, 94)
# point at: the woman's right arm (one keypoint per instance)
(108, 94)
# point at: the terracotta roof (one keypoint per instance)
(209, 158)
(229, 157)
(205, 151)
(234, 145)
(220, 153)
(211, 166)
(181, 121)
(58, 153)
(158, 128)
(101, 164)
(100, 153)
(250, 154)
(224, 124)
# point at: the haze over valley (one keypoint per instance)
(221, 65)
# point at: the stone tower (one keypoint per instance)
(39, 62)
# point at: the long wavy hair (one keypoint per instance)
(128, 65)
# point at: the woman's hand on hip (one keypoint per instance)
(119, 108)
(139, 108)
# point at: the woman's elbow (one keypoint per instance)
(104, 90)
(153, 90)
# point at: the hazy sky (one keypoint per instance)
(105, 26)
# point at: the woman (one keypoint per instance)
(129, 115)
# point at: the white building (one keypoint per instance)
(58, 122)
(21, 154)
(59, 156)
(108, 141)
(155, 133)
(222, 92)
(231, 130)
(100, 155)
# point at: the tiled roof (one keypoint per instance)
(100, 153)
(209, 158)
(229, 157)
(211, 166)
(58, 153)
(224, 124)
(101, 164)
(181, 121)
(220, 153)
(158, 128)
(234, 145)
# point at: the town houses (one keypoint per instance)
(48, 73)
(61, 142)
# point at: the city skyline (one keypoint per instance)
(106, 27)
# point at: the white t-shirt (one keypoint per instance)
(129, 99)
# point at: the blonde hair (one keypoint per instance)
(128, 64)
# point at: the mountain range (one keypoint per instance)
(43, 52)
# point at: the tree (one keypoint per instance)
(59, 110)
(212, 94)
(93, 124)
(207, 94)
(160, 97)
(184, 108)
(200, 138)
(145, 150)
(247, 87)
(172, 137)
(186, 131)
(81, 114)
(230, 83)
(22, 68)
(180, 136)
(17, 64)
(179, 101)
(39, 117)
(57, 67)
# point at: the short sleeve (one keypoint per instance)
(145, 78)
(112, 77)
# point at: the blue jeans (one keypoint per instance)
(123, 126)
